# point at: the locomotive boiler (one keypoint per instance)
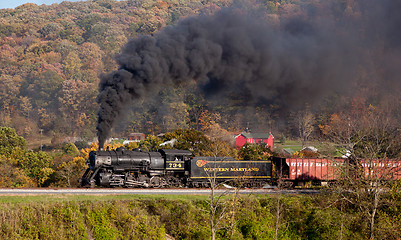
(136, 168)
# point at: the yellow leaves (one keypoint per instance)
(14, 177)
(77, 163)
(91, 56)
(207, 120)
(95, 146)
(44, 117)
(81, 120)
(328, 128)
(72, 65)
(44, 174)
(371, 107)
(298, 154)
(132, 145)
(85, 151)
(339, 123)
(52, 57)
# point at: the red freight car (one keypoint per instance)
(318, 170)
(314, 169)
(301, 170)
(387, 169)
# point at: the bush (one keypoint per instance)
(70, 149)
(301, 217)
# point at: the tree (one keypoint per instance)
(151, 143)
(37, 165)
(25, 106)
(91, 58)
(254, 152)
(189, 139)
(72, 66)
(44, 89)
(177, 116)
(9, 91)
(196, 106)
(71, 170)
(369, 134)
(76, 98)
(206, 120)
(219, 210)
(9, 141)
(11, 176)
(70, 149)
(304, 121)
(50, 31)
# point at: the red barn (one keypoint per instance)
(266, 138)
(136, 137)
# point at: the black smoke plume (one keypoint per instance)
(298, 58)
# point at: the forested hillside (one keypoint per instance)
(51, 58)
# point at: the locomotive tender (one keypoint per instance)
(169, 168)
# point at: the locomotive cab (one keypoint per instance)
(175, 160)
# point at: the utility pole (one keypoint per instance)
(41, 133)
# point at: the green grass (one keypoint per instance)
(76, 197)
(326, 149)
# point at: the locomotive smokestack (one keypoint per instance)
(299, 59)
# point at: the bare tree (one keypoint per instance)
(217, 208)
(280, 208)
(221, 211)
(370, 142)
(304, 122)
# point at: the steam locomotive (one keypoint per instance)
(169, 168)
(179, 168)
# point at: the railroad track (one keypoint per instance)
(145, 191)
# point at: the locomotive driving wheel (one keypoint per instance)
(157, 182)
(173, 182)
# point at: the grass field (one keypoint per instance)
(79, 198)
(325, 149)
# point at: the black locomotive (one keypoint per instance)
(169, 168)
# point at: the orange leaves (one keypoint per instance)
(335, 121)
(205, 120)
(8, 54)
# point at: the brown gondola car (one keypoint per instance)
(386, 169)
(319, 171)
